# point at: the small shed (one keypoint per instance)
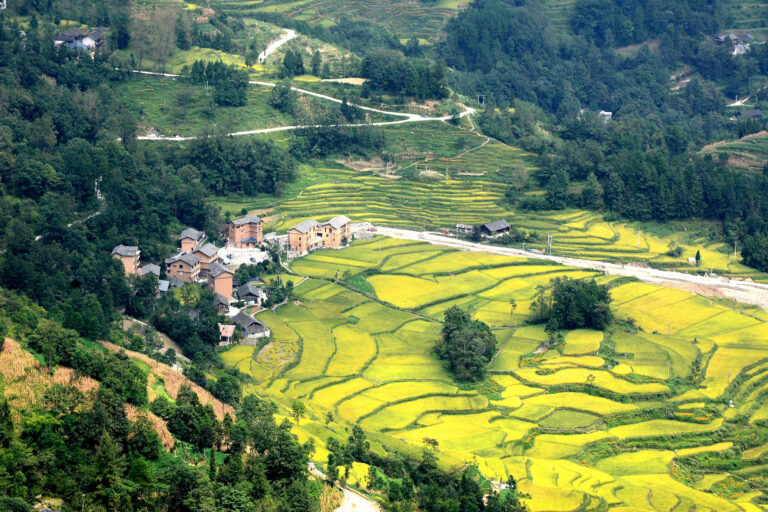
(465, 228)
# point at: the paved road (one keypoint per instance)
(740, 291)
(277, 43)
(353, 500)
(407, 117)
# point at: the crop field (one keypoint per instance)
(405, 18)
(593, 420)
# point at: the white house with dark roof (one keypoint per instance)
(495, 228)
(253, 328)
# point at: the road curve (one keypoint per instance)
(407, 116)
(739, 291)
(277, 43)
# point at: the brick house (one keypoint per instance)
(129, 256)
(208, 254)
(191, 239)
(220, 279)
(185, 267)
(246, 231)
(310, 234)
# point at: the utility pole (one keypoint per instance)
(549, 244)
(734, 248)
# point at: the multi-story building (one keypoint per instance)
(191, 239)
(129, 256)
(184, 267)
(208, 254)
(220, 279)
(310, 234)
(246, 231)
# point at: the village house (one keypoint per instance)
(208, 254)
(191, 239)
(75, 38)
(250, 294)
(495, 228)
(185, 267)
(221, 303)
(310, 234)
(245, 231)
(226, 334)
(252, 327)
(465, 228)
(129, 256)
(220, 279)
(750, 114)
(150, 268)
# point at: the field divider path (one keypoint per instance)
(739, 291)
(407, 116)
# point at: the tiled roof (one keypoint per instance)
(304, 227)
(187, 257)
(248, 219)
(338, 222)
(208, 249)
(215, 270)
(126, 250)
(192, 233)
(497, 225)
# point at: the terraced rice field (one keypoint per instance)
(591, 424)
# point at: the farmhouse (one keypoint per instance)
(184, 267)
(76, 38)
(208, 254)
(150, 268)
(220, 279)
(221, 303)
(245, 231)
(310, 234)
(750, 114)
(226, 334)
(252, 327)
(191, 239)
(495, 228)
(129, 256)
(251, 294)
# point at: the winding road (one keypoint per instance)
(353, 500)
(739, 291)
(277, 43)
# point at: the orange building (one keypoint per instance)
(246, 231)
(220, 279)
(310, 235)
(191, 239)
(208, 254)
(184, 267)
(129, 256)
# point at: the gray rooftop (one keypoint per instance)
(219, 300)
(304, 227)
(214, 269)
(192, 233)
(150, 268)
(208, 249)
(497, 225)
(187, 257)
(248, 219)
(249, 289)
(163, 285)
(338, 222)
(126, 250)
(250, 324)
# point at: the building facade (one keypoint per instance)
(220, 279)
(208, 254)
(310, 234)
(185, 267)
(191, 239)
(129, 256)
(246, 231)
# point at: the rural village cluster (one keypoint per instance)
(199, 261)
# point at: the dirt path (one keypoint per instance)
(167, 342)
(407, 116)
(739, 291)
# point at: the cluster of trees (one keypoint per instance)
(230, 83)
(416, 485)
(468, 345)
(391, 72)
(573, 304)
(293, 64)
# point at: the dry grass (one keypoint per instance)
(173, 380)
(157, 424)
(331, 498)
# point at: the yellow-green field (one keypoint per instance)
(591, 424)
